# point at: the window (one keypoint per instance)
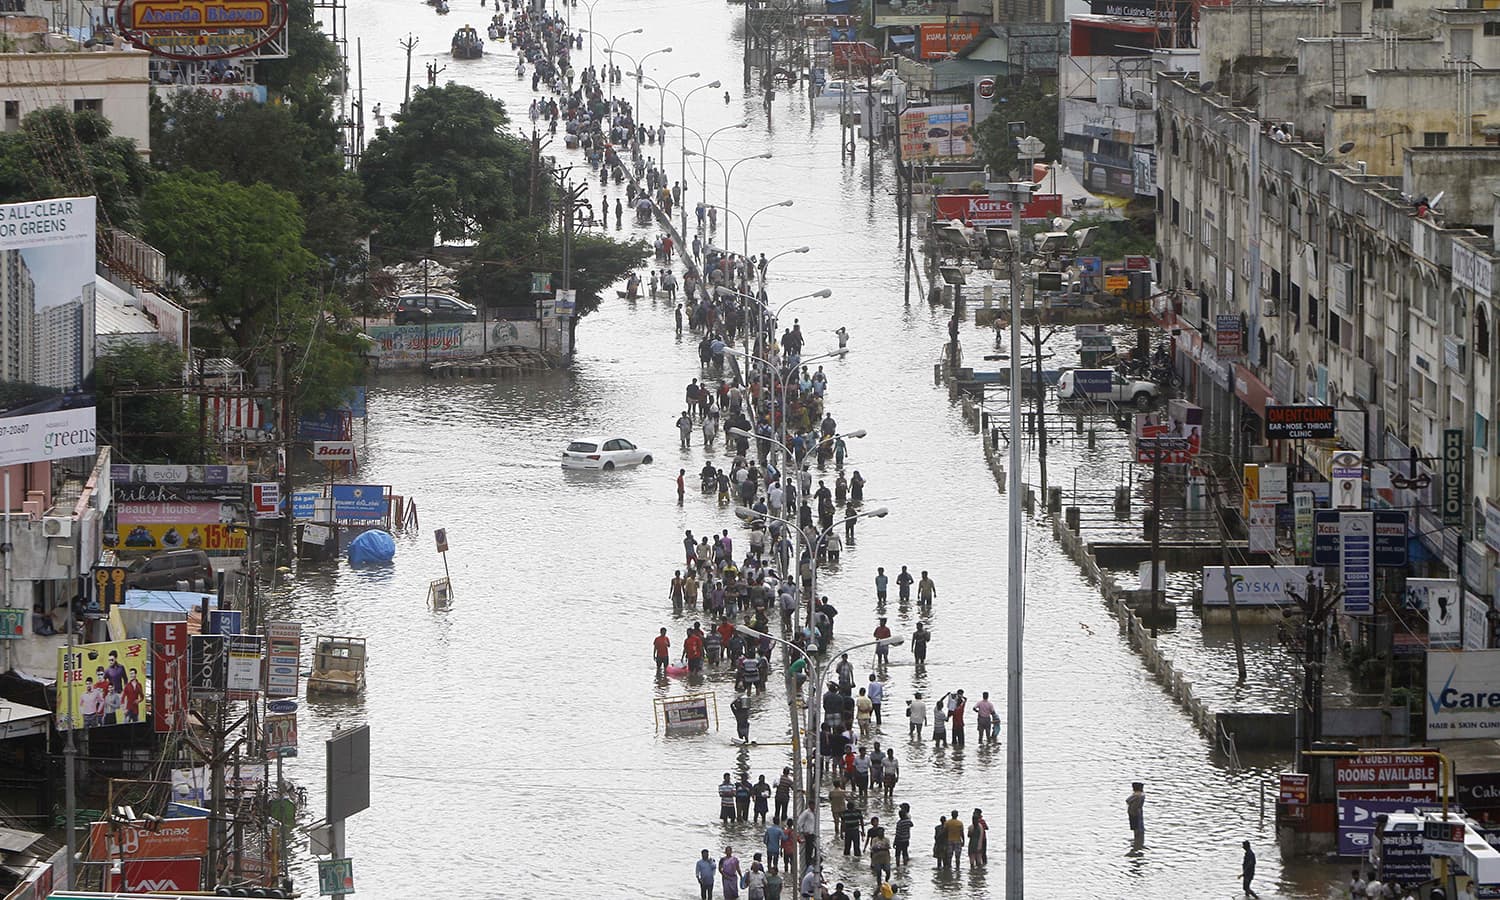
(89, 106)
(12, 115)
(1335, 327)
(1481, 332)
(1382, 4)
(1176, 213)
(1296, 302)
(1492, 29)
(1312, 311)
(1434, 139)
(1481, 433)
(1275, 284)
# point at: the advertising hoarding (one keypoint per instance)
(1257, 585)
(169, 659)
(201, 29)
(149, 876)
(1300, 422)
(108, 684)
(937, 132)
(183, 535)
(1463, 694)
(1357, 562)
(938, 39)
(47, 267)
(166, 839)
(979, 209)
(283, 658)
(40, 437)
(1439, 598)
(359, 502)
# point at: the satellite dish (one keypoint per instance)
(1346, 146)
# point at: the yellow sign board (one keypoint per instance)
(1117, 284)
(183, 536)
(106, 684)
(199, 15)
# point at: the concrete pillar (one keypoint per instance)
(1072, 518)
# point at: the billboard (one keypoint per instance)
(1357, 562)
(1359, 810)
(1257, 585)
(1439, 597)
(937, 132)
(359, 502)
(283, 658)
(936, 40)
(151, 876)
(242, 678)
(171, 838)
(183, 535)
(348, 772)
(979, 209)
(1300, 423)
(281, 735)
(47, 270)
(102, 684)
(169, 658)
(40, 437)
(1463, 694)
(201, 29)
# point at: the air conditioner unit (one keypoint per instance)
(1260, 453)
(57, 526)
(1269, 309)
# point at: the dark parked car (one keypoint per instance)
(412, 309)
(164, 571)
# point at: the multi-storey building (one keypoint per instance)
(1327, 205)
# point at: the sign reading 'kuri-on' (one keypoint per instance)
(1300, 422)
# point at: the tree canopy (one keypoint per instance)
(152, 428)
(447, 170)
(239, 248)
(59, 153)
(1026, 102)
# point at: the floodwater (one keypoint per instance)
(515, 749)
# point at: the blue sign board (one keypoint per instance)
(355, 403)
(1357, 819)
(328, 425)
(1092, 381)
(304, 503)
(1403, 859)
(1390, 538)
(176, 810)
(359, 501)
(1357, 549)
(225, 621)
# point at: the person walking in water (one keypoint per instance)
(916, 717)
(926, 590)
(685, 427)
(1135, 806)
(903, 585)
(661, 649)
(1247, 869)
(704, 870)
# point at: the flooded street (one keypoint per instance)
(514, 750)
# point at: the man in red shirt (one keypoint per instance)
(132, 694)
(882, 650)
(692, 647)
(661, 647)
(726, 631)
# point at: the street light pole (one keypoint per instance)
(745, 227)
(682, 142)
(817, 676)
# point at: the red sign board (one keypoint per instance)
(169, 838)
(936, 40)
(169, 643)
(1295, 788)
(1138, 263)
(855, 54)
(979, 209)
(157, 876)
(1385, 770)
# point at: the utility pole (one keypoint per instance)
(1156, 580)
(408, 45)
(284, 448)
(1041, 413)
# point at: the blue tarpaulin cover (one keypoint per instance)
(372, 548)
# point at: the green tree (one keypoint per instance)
(447, 169)
(252, 143)
(1027, 102)
(238, 247)
(1115, 239)
(151, 428)
(60, 153)
(500, 272)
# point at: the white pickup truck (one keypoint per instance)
(1100, 385)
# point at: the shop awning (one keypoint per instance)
(19, 720)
